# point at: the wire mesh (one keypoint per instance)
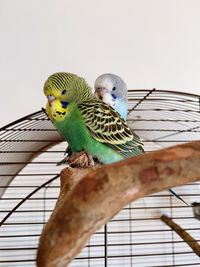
(29, 151)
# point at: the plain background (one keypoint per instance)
(149, 43)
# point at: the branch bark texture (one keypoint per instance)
(93, 197)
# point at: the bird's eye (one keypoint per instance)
(64, 92)
(114, 88)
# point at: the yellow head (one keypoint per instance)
(62, 89)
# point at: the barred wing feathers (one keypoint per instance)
(107, 126)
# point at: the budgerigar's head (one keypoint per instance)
(110, 87)
(63, 88)
(66, 87)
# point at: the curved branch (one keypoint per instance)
(103, 192)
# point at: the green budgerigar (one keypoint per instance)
(86, 122)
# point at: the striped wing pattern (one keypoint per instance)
(107, 126)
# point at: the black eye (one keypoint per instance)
(64, 92)
(114, 88)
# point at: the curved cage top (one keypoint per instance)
(29, 150)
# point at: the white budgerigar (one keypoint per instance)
(112, 90)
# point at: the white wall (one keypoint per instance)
(149, 43)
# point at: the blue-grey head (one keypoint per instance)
(112, 90)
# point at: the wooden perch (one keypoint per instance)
(84, 207)
(182, 233)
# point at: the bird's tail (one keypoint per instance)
(171, 191)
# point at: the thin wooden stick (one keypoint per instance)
(182, 233)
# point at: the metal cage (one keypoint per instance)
(29, 185)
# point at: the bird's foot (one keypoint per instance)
(81, 159)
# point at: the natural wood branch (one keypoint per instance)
(103, 192)
(182, 233)
(69, 177)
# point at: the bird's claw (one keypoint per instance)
(81, 159)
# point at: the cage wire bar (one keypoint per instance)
(31, 147)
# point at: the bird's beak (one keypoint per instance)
(50, 98)
(100, 92)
